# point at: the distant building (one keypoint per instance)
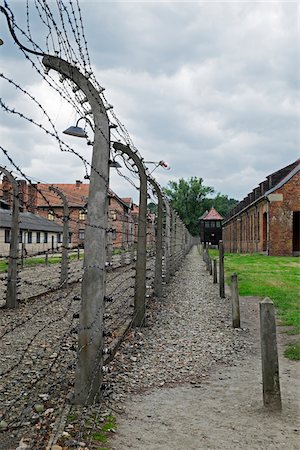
(211, 227)
(268, 219)
(36, 233)
(38, 199)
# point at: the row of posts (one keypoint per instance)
(269, 351)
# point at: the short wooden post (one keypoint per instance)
(235, 301)
(269, 356)
(221, 270)
(22, 255)
(78, 253)
(46, 258)
(210, 266)
(215, 271)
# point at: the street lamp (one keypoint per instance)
(162, 164)
(76, 130)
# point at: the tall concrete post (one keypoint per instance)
(12, 270)
(140, 278)
(173, 241)
(65, 242)
(167, 246)
(158, 240)
(89, 374)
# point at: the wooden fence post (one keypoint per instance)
(269, 356)
(215, 271)
(221, 270)
(235, 301)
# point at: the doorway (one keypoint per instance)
(296, 233)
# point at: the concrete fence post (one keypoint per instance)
(109, 249)
(235, 301)
(167, 246)
(159, 239)
(65, 243)
(221, 270)
(12, 270)
(269, 356)
(140, 278)
(89, 372)
(173, 241)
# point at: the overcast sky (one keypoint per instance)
(210, 87)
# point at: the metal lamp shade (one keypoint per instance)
(76, 131)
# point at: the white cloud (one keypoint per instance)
(209, 87)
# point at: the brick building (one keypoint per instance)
(268, 219)
(38, 199)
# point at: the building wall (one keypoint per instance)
(283, 202)
(75, 223)
(266, 226)
(34, 247)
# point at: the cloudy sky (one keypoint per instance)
(210, 87)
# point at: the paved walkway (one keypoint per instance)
(193, 382)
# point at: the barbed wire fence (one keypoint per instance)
(42, 341)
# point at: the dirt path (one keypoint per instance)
(224, 412)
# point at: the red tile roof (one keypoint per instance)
(77, 194)
(212, 215)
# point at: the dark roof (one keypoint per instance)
(29, 221)
(273, 182)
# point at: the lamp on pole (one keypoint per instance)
(89, 374)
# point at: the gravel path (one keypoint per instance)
(194, 383)
(186, 380)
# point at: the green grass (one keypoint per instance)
(276, 277)
(293, 351)
(35, 261)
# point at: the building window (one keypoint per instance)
(7, 237)
(206, 224)
(113, 215)
(82, 214)
(218, 224)
(45, 237)
(81, 234)
(20, 237)
(38, 237)
(29, 237)
(59, 238)
(50, 215)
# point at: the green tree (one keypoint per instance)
(186, 197)
(152, 207)
(222, 203)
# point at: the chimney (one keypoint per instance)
(32, 198)
(22, 192)
(78, 183)
(7, 190)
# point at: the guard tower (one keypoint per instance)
(211, 227)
